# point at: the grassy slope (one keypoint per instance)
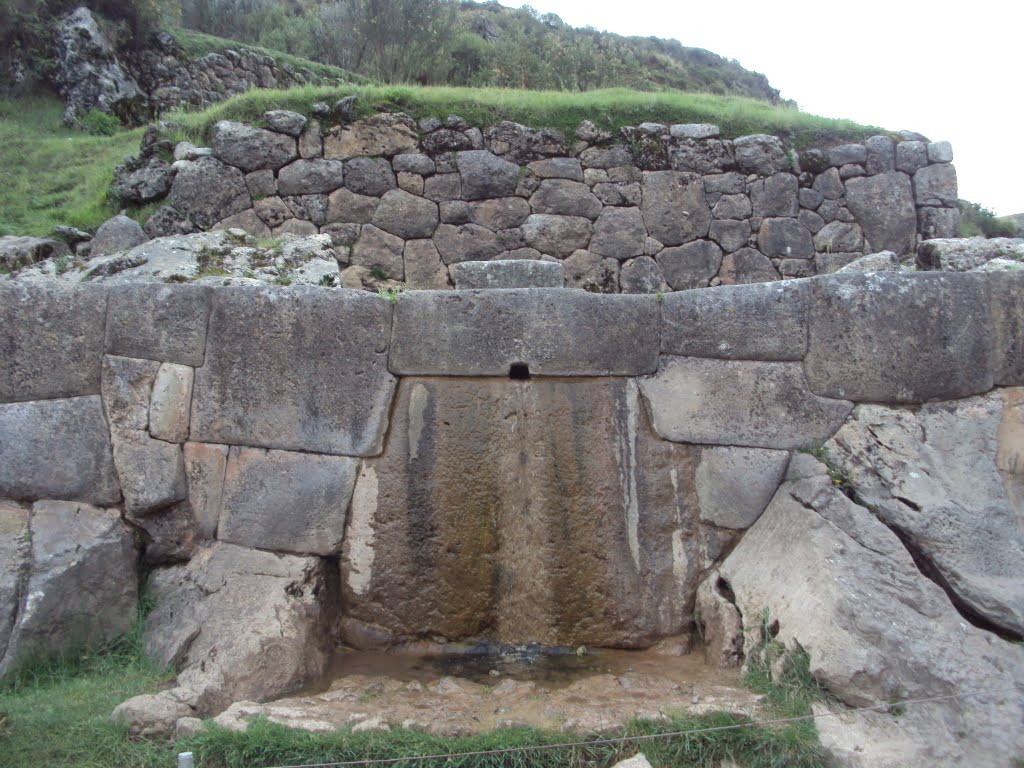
(54, 175)
(196, 44)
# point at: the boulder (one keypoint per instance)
(732, 207)
(379, 251)
(705, 156)
(778, 195)
(499, 214)
(348, 207)
(881, 155)
(167, 221)
(619, 233)
(310, 177)
(837, 583)
(382, 135)
(839, 237)
(557, 235)
(251, 149)
(785, 238)
(936, 185)
(884, 206)
(405, 215)
(642, 275)
(485, 176)
(18, 252)
(965, 254)
(15, 563)
(846, 154)
(886, 261)
(88, 74)
(116, 235)
(565, 198)
(208, 190)
(152, 715)
(937, 223)
(747, 265)
(740, 403)
(553, 332)
(466, 242)
(82, 582)
(518, 273)
(284, 121)
(731, 235)
(945, 478)
(763, 321)
(900, 338)
(424, 269)
(259, 387)
(591, 272)
(521, 144)
(369, 176)
(285, 501)
(145, 184)
(238, 624)
(691, 265)
(760, 154)
(911, 156)
(674, 207)
(57, 449)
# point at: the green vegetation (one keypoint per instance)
(976, 221)
(54, 175)
(55, 713)
(470, 44)
(608, 109)
(196, 44)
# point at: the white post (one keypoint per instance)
(185, 760)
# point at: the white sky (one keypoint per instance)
(951, 72)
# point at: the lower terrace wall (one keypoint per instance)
(675, 207)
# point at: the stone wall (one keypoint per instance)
(671, 208)
(171, 79)
(528, 465)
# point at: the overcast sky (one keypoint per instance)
(953, 72)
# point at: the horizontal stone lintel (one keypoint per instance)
(550, 331)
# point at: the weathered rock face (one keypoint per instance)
(839, 583)
(238, 624)
(79, 586)
(89, 75)
(946, 477)
(522, 511)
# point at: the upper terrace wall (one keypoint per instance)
(673, 208)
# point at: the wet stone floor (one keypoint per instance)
(467, 692)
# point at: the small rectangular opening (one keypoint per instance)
(519, 371)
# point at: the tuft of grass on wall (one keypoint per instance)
(55, 175)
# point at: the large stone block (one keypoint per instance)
(208, 191)
(57, 449)
(82, 586)
(170, 403)
(936, 185)
(251, 149)
(741, 403)
(734, 485)
(884, 207)
(932, 474)
(691, 265)
(152, 472)
(763, 321)
(51, 338)
(127, 388)
(619, 233)
(286, 501)
(553, 332)
(15, 554)
(564, 198)
(205, 466)
(674, 207)
(892, 338)
(158, 322)
(485, 176)
(508, 273)
(1007, 313)
(840, 586)
(407, 216)
(557, 235)
(522, 511)
(297, 369)
(238, 624)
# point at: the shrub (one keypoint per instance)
(97, 123)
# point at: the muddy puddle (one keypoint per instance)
(471, 691)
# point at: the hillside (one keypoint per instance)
(435, 42)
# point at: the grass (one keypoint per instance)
(54, 175)
(609, 109)
(55, 713)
